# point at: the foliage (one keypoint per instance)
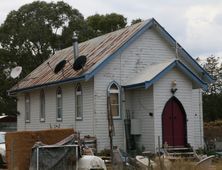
(213, 67)
(7, 104)
(35, 31)
(102, 24)
(212, 109)
(212, 98)
(134, 21)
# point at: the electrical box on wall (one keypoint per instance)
(135, 127)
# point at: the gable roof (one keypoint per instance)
(99, 51)
(155, 72)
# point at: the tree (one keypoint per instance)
(29, 36)
(212, 98)
(213, 67)
(34, 31)
(7, 104)
(102, 24)
(134, 21)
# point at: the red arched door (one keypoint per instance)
(174, 123)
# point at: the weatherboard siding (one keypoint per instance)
(162, 94)
(198, 118)
(142, 102)
(148, 49)
(68, 119)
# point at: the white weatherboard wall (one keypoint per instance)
(184, 94)
(68, 95)
(141, 106)
(147, 50)
(198, 118)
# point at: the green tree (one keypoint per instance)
(7, 104)
(102, 24)
(214, 68)
(36, 30)
(212, 98)
(29, 36)
(134, 21)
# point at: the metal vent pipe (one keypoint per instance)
(75, 46)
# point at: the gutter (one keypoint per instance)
(13, 92)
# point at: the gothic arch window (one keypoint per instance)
(42, 106)
(59, 104)
(114, 99)
(27, 108)
(79, 102)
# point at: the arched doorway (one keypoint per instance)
(174, 123)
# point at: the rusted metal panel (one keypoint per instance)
(95, 50)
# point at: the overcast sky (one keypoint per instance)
(195, 24)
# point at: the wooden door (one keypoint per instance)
(174, 123)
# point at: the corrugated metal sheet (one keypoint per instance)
(95, 50)
(148, 74)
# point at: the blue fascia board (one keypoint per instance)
(12, 92)
(160, 75)
(184, 53)
(121, 49)
(177, 64)
(191, 75)
(167, 36)
(134, 86)
(184, 69)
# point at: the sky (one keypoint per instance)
(195, 24)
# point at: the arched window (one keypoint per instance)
(27, 108)
(114, 99)
(59, 104)
(42, 106)
(79, 102)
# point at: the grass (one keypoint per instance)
(179, 164)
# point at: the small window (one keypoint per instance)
(42, 106)
(59, 104)
(27, 108)
(79, 102)
(114, 96)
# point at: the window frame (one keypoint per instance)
(27, 108)
(78, 93)
(59, 119)
(42, 115)
(118, 91)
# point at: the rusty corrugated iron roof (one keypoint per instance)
(96, 49)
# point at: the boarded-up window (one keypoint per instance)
(79, 102)
(42, 106)
(114, 94)
(59, 104)
(27, 108)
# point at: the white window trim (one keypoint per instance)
(76, 94)
(59, 118)
(27, 113)
(115, 92)
(42, 119)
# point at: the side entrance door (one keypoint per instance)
(174, 123)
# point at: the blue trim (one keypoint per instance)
(135, 86)
(11, 92)
(120, 49)
(160, 74)
(149, 24)
(191, 75)
(177, 64)
(167, 36)
(184, 53)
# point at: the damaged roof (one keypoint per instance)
(99, 51)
